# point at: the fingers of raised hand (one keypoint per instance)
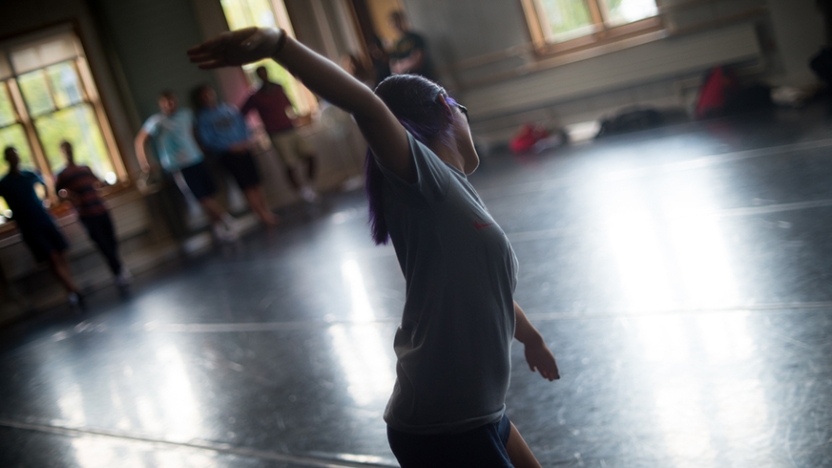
(228, 48)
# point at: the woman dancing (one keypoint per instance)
(453, 345)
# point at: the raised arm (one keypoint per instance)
(537, 353)
(383, 132)
(139, 144)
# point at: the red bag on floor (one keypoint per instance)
(526, 137)
(714, 92)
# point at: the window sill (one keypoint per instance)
(64, 214)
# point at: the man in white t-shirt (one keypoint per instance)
(173, 132)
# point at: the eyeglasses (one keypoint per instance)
(464, 110)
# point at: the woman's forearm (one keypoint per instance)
(328, 80)
(524, 331)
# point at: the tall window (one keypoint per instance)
(558, 25)
(47, 95)
(270, 14)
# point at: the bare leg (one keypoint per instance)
(60, 268)
(310, 169)
(519, 453)
(215, 211)
(293, 178)
(257, 201)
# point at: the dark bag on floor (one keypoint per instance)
(630, 120)
(821, 64)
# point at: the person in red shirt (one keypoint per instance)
(80, 186)
(271, 103)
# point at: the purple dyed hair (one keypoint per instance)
(413, 100)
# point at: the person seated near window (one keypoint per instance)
(173, 129)
(78, 184)
(271, 103)
(221, 130)
(38, 230)
(410, 55)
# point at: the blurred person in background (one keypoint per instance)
(221, 130)
(380, 59)
(78, 184)
(274, 107)
(410, 54)
(454, 342)
(173, 131)
(38, 230)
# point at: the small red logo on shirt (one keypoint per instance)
(478, 225)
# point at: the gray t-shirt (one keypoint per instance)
(453, 345)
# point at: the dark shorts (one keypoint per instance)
(199, 180)
(43, 239)
(483, 447)
(242, 167)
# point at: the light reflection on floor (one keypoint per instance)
(686, 338)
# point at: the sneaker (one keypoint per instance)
(309, 195)
(124, 278)
(223, 234)
(75, 301)
(122, 281)
(229, 222)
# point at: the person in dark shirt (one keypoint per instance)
(271, 102)
(36, 227)
(380, 58)
(410, 55)
(80, 185)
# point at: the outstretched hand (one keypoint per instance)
(542, 360)
(236, 48)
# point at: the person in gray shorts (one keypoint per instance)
(460, 318)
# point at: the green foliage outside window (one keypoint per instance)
(566, 17)
(627, 11)
(569, 19)
(36, 93)
(63, 79)
(78, 126)
(7, 114)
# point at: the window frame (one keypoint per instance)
(90, 98)
(603, 34)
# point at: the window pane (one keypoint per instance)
(78, 126)
(567, 19)
(7, 115)
(244, 13)
(628, 11)
(66, 87)
(36, 93)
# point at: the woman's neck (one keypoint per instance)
(449, 155)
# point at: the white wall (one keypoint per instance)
(588, 88)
